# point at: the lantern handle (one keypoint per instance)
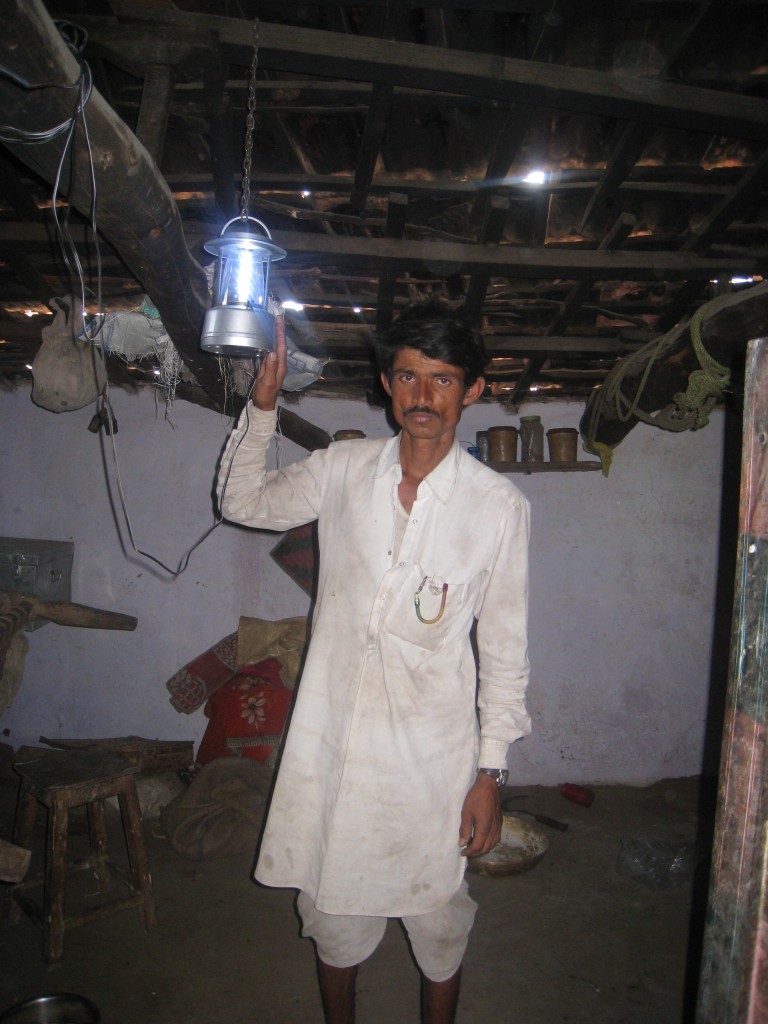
(248, 217)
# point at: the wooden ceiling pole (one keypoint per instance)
(700, 32)
(503, 156)
(156, 94)
(751, 182)
(733, 980)
(496, 260)
(504, 79)
(547, 36)
(373, 255)
(136, 209)
(393, 23)
(615, 237)
(625, 155)
(397, 215)
(724, 330)
(621, 230)
(370, 147)
(492, 232)
(218, 110)
(137, 213)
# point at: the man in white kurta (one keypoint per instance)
(378, 799)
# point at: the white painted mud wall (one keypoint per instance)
(623, 581)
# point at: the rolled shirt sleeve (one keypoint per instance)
(502, 642)
(250, 494)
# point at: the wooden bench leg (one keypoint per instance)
(133, 826)
(97, 831)
(23, 829)
(55, 881)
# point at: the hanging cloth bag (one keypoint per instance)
(68, 371)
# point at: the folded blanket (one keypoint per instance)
(192, 685)
(255, 640)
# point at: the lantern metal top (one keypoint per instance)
(245, 240)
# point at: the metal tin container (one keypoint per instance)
(39, 567)
(562, 444)
(502, 444)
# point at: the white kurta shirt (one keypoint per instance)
(383, 741)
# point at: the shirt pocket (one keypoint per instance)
(429, 609)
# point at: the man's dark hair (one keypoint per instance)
(438, 332)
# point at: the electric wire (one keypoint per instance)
(75, 39)
(68, 246)
(218, 519)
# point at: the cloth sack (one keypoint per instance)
(221, 811)
(68, 371)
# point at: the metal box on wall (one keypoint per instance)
(39, 567)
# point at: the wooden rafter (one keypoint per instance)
(504, 78)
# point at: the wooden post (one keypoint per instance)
(733, 985)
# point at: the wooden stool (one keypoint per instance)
(61, 780)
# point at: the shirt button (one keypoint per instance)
(373, 645)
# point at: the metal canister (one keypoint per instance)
(502, 444)
(481, 442)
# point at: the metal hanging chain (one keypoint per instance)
(249, 123)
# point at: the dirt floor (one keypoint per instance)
(571, 940)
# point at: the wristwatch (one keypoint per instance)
(499, 775)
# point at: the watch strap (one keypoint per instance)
(499, 775)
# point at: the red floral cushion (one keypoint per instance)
(247, 715)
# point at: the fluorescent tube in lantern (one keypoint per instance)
(239, 324)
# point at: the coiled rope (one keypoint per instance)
(689, 410)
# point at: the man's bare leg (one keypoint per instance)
(439, 1000)
(337, 989)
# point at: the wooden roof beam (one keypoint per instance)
(492, 232)
(397, 213)
(370, 147)
(751, 184)
(219, 116)
(495, 260)
(155, 107)
(698, 33)
(615, 237)
(375, 255)
(475, 74)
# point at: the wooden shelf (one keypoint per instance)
(546, 467)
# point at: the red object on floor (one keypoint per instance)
(577, 794)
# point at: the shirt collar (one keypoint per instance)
(440, 481)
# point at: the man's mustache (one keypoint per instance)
(419, 408)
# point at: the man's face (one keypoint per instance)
(428, 396)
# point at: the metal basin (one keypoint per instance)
(59, 1008)
(522, 846)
